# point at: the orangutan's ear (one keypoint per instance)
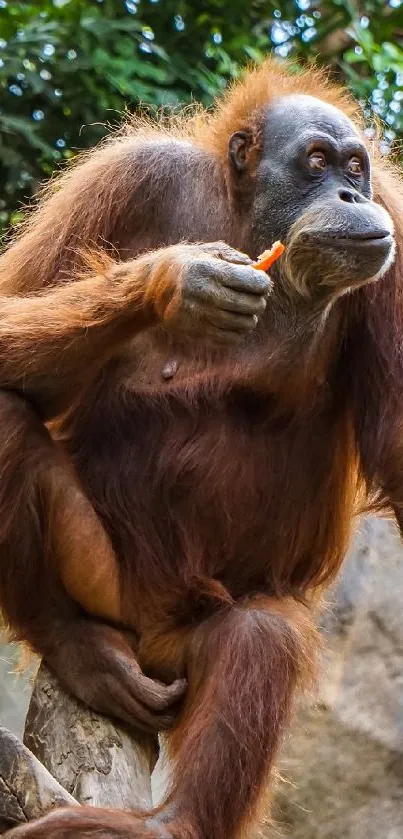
(240, 148)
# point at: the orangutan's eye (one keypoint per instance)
(354, 166)
(317, 161)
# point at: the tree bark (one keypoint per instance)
(71, 755)
(27, 790)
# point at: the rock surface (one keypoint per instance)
(15, 690)
(343, 762)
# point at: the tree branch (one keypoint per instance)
(27, 790)
(71, 755)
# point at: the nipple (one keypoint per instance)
(169, 369)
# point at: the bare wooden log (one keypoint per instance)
(71, 755)
(27, 790)
(98, 761)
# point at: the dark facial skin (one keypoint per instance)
(313, 191)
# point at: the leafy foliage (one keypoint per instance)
(70, 67)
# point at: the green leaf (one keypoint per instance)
(20, 125)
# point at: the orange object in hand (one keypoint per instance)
(266, 259)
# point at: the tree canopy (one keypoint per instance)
(70, 68)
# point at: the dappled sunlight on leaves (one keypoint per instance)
(69, 69)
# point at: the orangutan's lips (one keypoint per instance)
(368, 238)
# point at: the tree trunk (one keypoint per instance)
(71, 754)
(27, 790)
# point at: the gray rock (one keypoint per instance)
(15, 689)
(343, 762)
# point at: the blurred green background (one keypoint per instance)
(68, 68)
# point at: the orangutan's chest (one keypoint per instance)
(215, 485)
(156, 360)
